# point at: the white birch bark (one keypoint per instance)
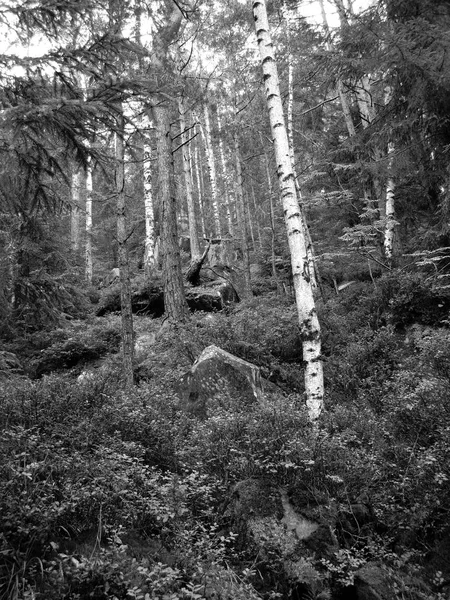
(88, 224)
(306, 309)
(149, 214)
(389, 232)
(210, 159)
(290, 130)
(192, 223)
(200, 196)
(75, 211)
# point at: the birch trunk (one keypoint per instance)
(306, 309)
(240, 204)
(312, 263)
(75, 211)
(122, 253)
(192, 223)
(174, 298)
(389, 232)
(210, 159)
(88, 224)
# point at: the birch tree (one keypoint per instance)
(306, 309)
(150, 254)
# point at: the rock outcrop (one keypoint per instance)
(219, 378)
(263, 518)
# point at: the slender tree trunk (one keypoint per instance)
(193, 235)
(272, 223)
(312, 263)
(307, 313)
(122, 252)
(389, 233)
(225, 180)
(200, 189)
(258, 228)
(75, 211)
(339, 85)
(174, 297)
(149, 213)
(206, 129)
(241, 218)
(88, 225)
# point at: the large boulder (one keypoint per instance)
(219, 378)
(373, 582)
(264, 519)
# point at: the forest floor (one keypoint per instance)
(108, 492)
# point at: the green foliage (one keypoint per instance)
(75, 344)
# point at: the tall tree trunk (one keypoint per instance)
(200, 189)
(193, 235)
(225, 180)
(122, 253)
(389, 232)
(210, 159)
(272, 222)
(312, 263)
(306, 309)
(150, 258)
(174, 298)
(88, 225)
(241, 218)
(258, 228)
(339, 85)
(75, 211)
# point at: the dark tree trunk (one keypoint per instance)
(124, 270)
(174, 298)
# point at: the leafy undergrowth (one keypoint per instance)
(114, 493)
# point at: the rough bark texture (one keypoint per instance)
(174, 298)
(122, 252)
(307, 314)
(193, 235)
(88, 242)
